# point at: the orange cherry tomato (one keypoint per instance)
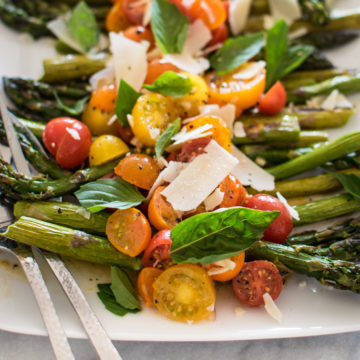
(160, 212)
(234, 192)
(128, 231)
(156, 68)
(211, 12)
(274, 100)
(227, 275)
(116, 20)
(138, 169)
(227, 88)
(219, 131)
(104, 98)
(145, 282)
(139, 33)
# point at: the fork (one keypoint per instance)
(90, 322)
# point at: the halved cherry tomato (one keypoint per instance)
(128, 231)
(126, 134)
(282, 226)
(274, 100)
(156, 68)
(185, 292)
(189, 150)
(219, 35)
(211, 12)
(67, 139)
(254, 280)
(234, 193)
(138, 169)
(134, 11)
(157, 253)
(145, 282)
(227, 89)
(185, 10)
(139, 33)
(116, 20)
(227, 275)
(219, 130)
(160, 212)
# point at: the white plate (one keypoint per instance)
(307, 310)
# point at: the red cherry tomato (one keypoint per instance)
(126, 134)
(69, 140)
(157, 253)
(274, 100)
(134, 10)
(282, 226)
(254, 280)
(219, 35)
(189, 150)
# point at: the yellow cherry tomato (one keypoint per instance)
(106, 148)
(184, 292)
(151, 116)
(189, 104)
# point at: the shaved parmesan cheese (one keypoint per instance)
(238, 14)
(200, 178)
(221, 266)
(249, 173)
(238, 129)
(315, 102)
(102, 77)
(298, 33)
(249, 70)
(289, 10)
(129, 59)
(111, 120)
(198, 36)
(294, 214)
(239, 311)
(336, 100)
(214, 199)
(271, 308)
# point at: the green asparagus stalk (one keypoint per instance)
(71, 67)
(68, 242)
(316, 61)
(315, 11)
(63, 213)
(337, 273)
(333, 150)
(36, 128)
(259, 7)
(327, 208)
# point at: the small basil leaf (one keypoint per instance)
(350, 182)
(169, 26)
(83, 27)
(108, 299)
(218, 235)
(171, 84)
(164, 139)
(236, 51)
(108, 193)
(76, 109)
(123, 290)
(125, 101)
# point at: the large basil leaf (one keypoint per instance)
(350, 182)
(108, 193)
(169, 26)
(236, 51)
(165, 138)
(218, 235)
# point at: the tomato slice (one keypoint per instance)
(128, 231)
(211, 12)
(255, 279)
(227, 275)
(145, 282)
(234, 193)
(157, 253)
(184, 292)
(274, 100)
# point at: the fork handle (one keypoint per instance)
(54, 328)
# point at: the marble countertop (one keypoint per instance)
(331, 347)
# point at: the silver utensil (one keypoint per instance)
(96, 333)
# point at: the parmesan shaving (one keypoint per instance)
(294, 214)
(200, 178)
(336, 100)
(249, 70)
(238, 14)
(289, 10)
(84, 213)
(249, 173)
(214, 199)
(271, 308)
(239, 311)
(102, 77)
(238, 129)
(221, 266)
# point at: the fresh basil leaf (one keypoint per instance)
(164, 139)
(350, 182)
(169, 26)
(281, 60)
(218, 235)
(123, 290)
(125, 101)
(236, 51)
(171, 84)
(76, 109)
(83, 27)
(107, 297)
(108, 193)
